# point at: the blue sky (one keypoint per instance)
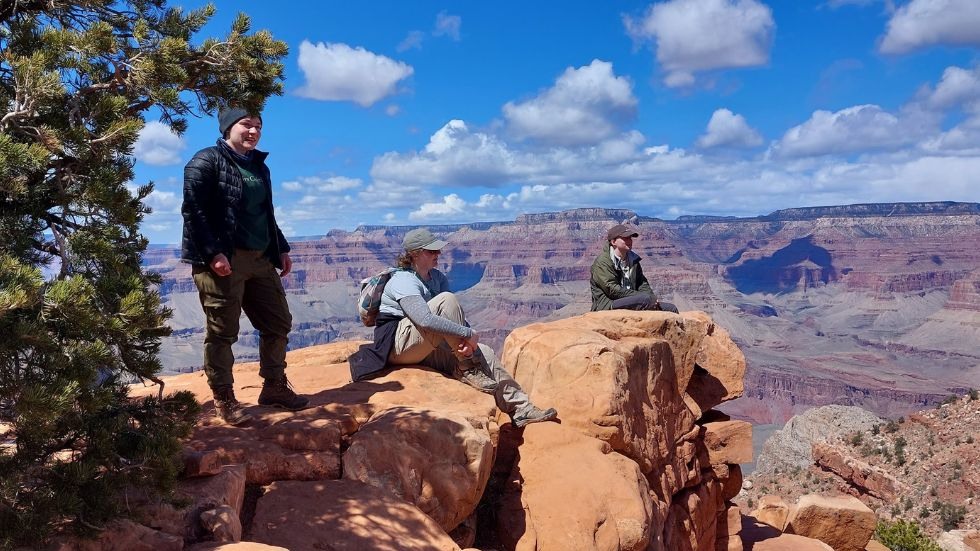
(429, 112)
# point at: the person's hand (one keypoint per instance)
(468, 346)
(287, 264)
(220, 265)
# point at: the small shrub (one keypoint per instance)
(948, 400)
(933, 491)
(951, 515)
(876, 429)
(891, 427)
(857, 438)
(924, 512)
(969, 439)
(900, 456)
(903, 535)
(750, 503)
(974, 394)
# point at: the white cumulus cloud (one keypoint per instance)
(700, 35)
(337, 72)
(860, 128)
(585, 106)
(958, 88)
(922, 23)
(727, 129)
(328, 184)
(453, 156)
(157, 145)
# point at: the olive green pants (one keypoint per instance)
(254, 287)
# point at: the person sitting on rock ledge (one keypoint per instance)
(617, 279)
(421, 323)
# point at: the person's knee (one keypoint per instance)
(445, 303)
(446, 298)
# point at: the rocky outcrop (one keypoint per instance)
(772, 510)
(757, 536)
(843, 523)
(815, 522)
(343, 514)
(558, 467)
(434, 459)
(860, 475)
(959, 540)
(626, 379)
(792, 446)
(640, 460)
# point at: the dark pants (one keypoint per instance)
(254, 287)
(642, 301)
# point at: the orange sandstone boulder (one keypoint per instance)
(618, 376)
(692, 520)
(125, 535)
(435, 459)
(343, 515)
(772, 510)
(719, 371)
(864, 476)
(569, 492)
(728, 441)
(844, 523)
(757, 536)
(199, 494)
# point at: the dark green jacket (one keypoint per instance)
(606, 279)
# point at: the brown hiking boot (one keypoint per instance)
(227, 408)
(533, 414)
(279, 393)
(472, 372)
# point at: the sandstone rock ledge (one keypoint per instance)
(406, 460)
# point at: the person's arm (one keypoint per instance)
(418, 311)
(200, 184)
(605, 277)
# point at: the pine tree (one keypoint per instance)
(79, 319)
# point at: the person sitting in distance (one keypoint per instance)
(617, 280)
(421, 323)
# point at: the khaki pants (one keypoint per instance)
(254, 287)
(414, 346)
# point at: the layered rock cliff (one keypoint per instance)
(869, 305)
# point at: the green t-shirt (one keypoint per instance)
(253, 218)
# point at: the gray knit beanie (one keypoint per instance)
(228, 116)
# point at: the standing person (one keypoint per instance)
(232, 240)
(421, 322)
(617, 278)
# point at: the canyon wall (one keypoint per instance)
(870, 305)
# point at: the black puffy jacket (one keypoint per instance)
(212, 197)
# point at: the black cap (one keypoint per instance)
(227, 116)
(621, 230)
